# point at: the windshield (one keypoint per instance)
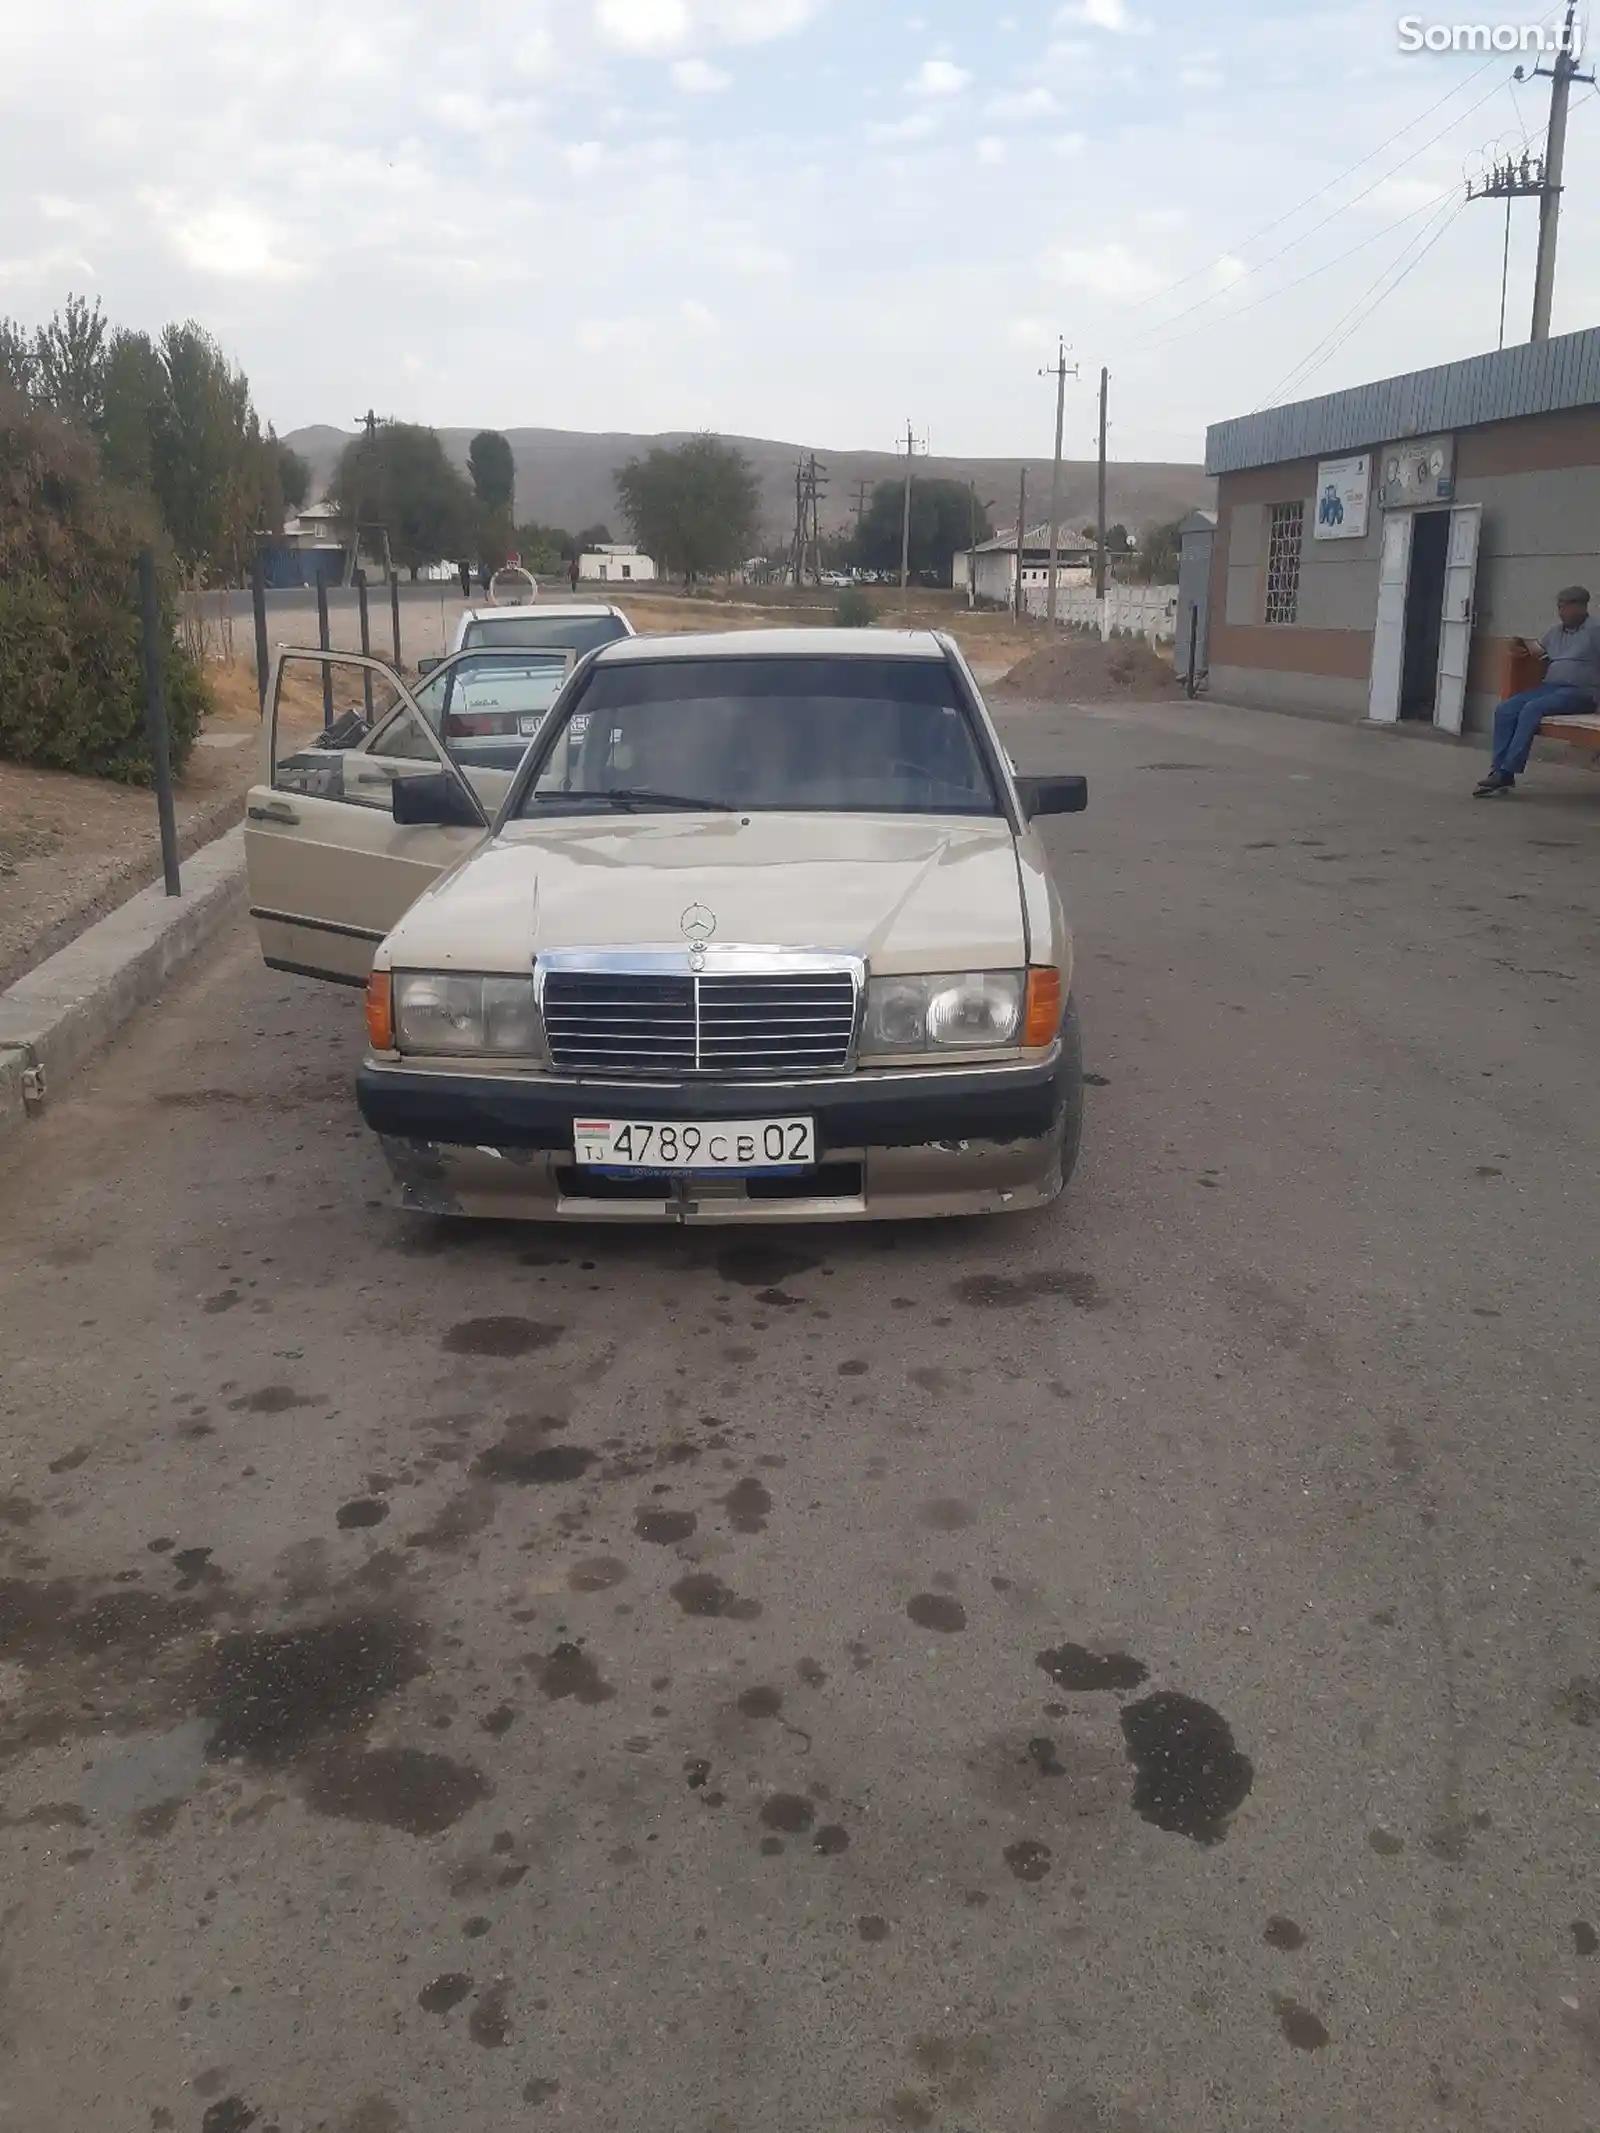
(567, 633)
(858, 734)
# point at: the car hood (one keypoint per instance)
(908, 892)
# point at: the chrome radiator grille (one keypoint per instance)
(728, 1026)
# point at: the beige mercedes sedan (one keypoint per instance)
(758, 929)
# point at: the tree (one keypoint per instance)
(693, 507)
(397, 476)
(493, 472)
(16, 358)
(71, 681)
(294, 477)
(134, 411)
(1158, 556)
(941, 524)
(1118, 539)
(544, 548)
(69, 362)
(586, 542)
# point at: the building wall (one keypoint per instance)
(1538, 480)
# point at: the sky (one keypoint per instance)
(808, 219)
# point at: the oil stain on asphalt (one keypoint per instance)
(1075, 1668)
(1190, 1778)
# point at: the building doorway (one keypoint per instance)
(1419, 667)
(1422, 633)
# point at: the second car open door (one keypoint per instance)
(330, 871)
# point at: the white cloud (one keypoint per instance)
(1068, 144)
(698, 77)
(648, 27)
(991, 149)
(1200, 76)
(915, 126)
(1109, 15)
(232, 240)
(939, 77)
(584, 158)
(1037, 102)
(643, 25)
(1227, 270)
(696, 315)
(1107, 270)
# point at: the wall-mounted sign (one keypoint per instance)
(1343, 486)
(1420, 471)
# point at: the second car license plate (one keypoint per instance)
(740, 1145)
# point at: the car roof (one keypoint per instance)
(777, 644)
(544, 612)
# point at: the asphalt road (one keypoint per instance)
(1129, 1668)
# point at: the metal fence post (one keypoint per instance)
(1194, 648)
(258, 601)
(155, 719)
(322, 639)
(366, 639)
(394, 611)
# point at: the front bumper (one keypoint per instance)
(922, 1142)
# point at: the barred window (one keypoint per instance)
(1283, 562)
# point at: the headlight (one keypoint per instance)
(497, 1016)
(964, 1011)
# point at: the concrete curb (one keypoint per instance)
(60, 1014)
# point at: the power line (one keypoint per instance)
(1289, 214)
(1277, 222)
(1334, 339)
(1428, 207)
(1354, 201)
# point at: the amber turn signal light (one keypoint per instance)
(380, 1011)
(1041, 1021)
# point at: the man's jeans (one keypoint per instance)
(1516, 721)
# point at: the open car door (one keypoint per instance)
(330, 871)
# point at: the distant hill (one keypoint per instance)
(566, 478)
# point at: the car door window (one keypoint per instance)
(350, 740)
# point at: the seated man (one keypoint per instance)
(1571, 652)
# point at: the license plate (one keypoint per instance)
(742, 1145)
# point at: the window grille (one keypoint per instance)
(1283, 562)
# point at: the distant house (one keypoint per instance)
(615, 562)
(992, 565)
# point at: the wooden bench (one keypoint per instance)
(1582, 729)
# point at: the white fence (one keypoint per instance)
(1141, 610)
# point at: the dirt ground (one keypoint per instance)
(73, 848)
(1082, 670)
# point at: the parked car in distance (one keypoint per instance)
(568, 626)
(762, 931)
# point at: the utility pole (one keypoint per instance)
(1562, 75)
(818, 482)
(905, 516)
(1022, 534)
(1100, 515)
(1516, 178)
(863, 491)
(1058, 370)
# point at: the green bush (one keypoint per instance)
(71, 678)
(854, 611)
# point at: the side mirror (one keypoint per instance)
(1052, 796)
(434, 799)
(426, 666)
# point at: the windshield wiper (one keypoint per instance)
(645, 796)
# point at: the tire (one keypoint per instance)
(1071, 1092)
